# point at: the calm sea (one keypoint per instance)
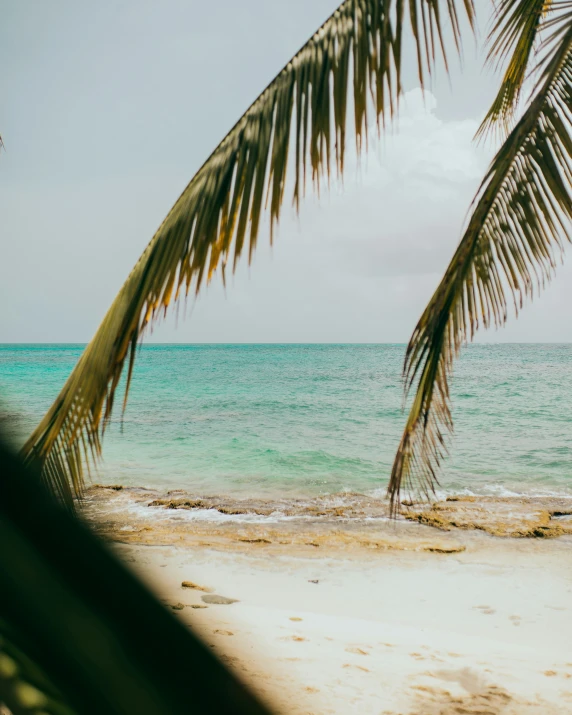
(311, 419)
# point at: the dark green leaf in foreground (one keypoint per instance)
(301, 115)
(80, 634)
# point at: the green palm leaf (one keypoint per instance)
(515, 32)
(302, 113)
(520, 219)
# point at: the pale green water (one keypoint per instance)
(310, 419)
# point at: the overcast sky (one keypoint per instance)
(107, 110)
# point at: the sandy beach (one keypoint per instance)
(333, 614)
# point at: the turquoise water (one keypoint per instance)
(311, 419)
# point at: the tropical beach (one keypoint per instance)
(334, 610)
(345, 485)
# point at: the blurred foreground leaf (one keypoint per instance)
(79, 633)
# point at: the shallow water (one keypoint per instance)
(298, 420)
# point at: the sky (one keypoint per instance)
(109, 108)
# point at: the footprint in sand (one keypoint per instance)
(487, 610)
(357, 651)
(297, 639)
(359, 667)
(222, 632)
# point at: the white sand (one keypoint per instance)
(485, 631)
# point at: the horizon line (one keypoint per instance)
(152, 344)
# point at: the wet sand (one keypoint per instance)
(339, 610)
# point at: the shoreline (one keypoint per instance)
(133, 514)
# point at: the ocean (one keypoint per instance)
(309, 420)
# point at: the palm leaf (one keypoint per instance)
(24, 687)
(515, 33)
(520, 218)
(303, 113)
(79, 633)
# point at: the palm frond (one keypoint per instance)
(520, 219)
(20, 675)
(515, 33)
(303, 113)
(71, 615)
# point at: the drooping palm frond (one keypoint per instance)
(302, 112)
(515, 33)
(520, 220)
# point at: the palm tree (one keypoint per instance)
(303, 115)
